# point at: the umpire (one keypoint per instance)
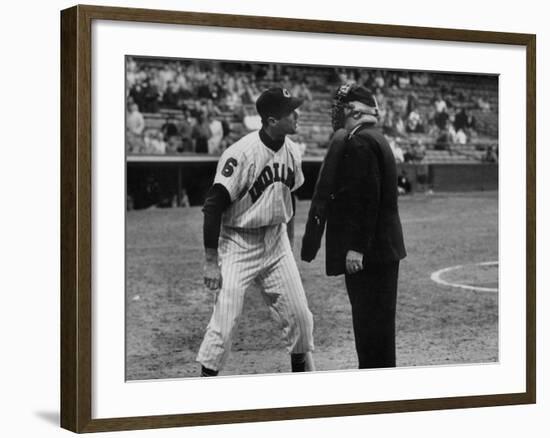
(356, 195)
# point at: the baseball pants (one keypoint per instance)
(262, 256)
(373, 294)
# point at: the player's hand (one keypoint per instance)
(354, 262)
(212, 275)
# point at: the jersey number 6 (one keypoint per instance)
(229, 167)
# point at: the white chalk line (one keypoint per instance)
(436, 277)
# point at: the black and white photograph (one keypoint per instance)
(289, 218)
(275, 219)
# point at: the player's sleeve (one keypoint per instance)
(232, 173)
(298, 173)
(217, 201)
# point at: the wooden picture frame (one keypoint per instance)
(76, 218)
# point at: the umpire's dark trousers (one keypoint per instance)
(373, 294)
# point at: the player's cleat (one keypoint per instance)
(298, 362)
(207, 372)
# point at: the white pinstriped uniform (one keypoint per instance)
(254, 246)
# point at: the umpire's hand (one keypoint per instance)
(354, 262)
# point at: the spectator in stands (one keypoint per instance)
(400, 105)
(286, 83)
(260, 71)
(343, 77)
(183, 83)
(414, 122)
(201, 133)
(229, 82)
(366, 79)
(197, 108)
(134, 144)
(240, 83)
(461, 96)
(470, 120)
(483, 105)
(421, 128)
(412, 102)
(440, 104)
(441, 120)
(226, 132)
(451, 111)
(386, 118)
(270, 73)
(131, 73)
(203, 90)
(466, 122)
(450, 101)
(490, 155)
(404, 80)
(151, 97)
(392, 80)
(251, 93)
(233, 100)
(211, 108)
(171, 135)
(251, 120)
(460, 137)
(379, 79)
(216, 87)
(397, 151)
(471, 124)
(445, 138)
(301, 91)
(137, 95)
(154, 143)
(461, 119)
(399, 125)
(216, 135)
(166, 75)
(430, 125)
(186, 133)
(154, 78)
(380, 98)
(415, 153)
(135, 122)
(420, 79)
(172, 98)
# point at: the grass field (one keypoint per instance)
(168, 307)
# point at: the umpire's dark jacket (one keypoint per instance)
(362, 213)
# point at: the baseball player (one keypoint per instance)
(248, 229)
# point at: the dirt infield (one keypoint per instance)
(168, 308)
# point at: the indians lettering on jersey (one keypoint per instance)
(259, 182)
(277, 172)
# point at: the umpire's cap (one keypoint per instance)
(358, 93)
(276, 102)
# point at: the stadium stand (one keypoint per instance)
(182, 114)
(197, 94)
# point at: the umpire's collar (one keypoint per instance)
(272, 144)
(360, 127)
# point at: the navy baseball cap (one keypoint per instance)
(276, 102)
